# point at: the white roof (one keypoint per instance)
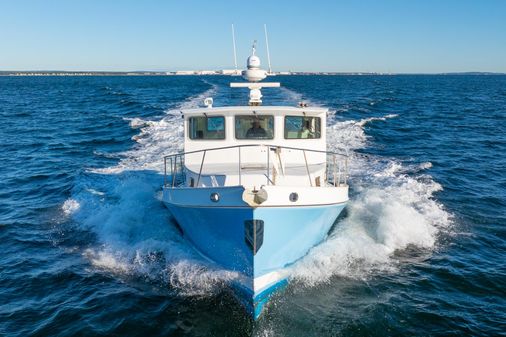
(259, 109)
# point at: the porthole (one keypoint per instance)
(294, 197)
(215, 197)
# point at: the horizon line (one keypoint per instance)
(216, 72)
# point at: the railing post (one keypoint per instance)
(174, 170)
(240, 177)
(268, 164)
(334, 161)
(201, 165)
(327, 168)
(181, 163)
(164, 171)
(346, 171)
(340, 172)
(170, 165)
(307, 169)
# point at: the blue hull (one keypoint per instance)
(256, 242)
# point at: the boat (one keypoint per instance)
(255, 187)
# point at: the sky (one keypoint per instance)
(392, 36)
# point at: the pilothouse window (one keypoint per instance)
(254, 127)
(299, 127)
(207, 127)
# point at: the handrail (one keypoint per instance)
(255, 145)
(201, 166)
(337, 169)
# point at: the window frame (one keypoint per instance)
(284, 127)
(249, 115)
(206, 139)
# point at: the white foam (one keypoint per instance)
(70, 206)
(390, 211)
(105, 259)
(194, 279)
(380, 221)
(345, 137)
(156, 138)
(156, 261)
(296, 97)
(93, 191)
(135, 235)
(136, 122)
(425, 166)
(372, 119)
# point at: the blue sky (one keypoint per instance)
(423, 36)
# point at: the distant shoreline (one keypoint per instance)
(217, 73)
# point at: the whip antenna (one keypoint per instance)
(267, 45)
(235, 53)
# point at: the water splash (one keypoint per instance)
(70, 206)
(121, 206)
(390, 211)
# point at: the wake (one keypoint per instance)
(392, 208)
(121, 205)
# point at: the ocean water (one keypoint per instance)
(89, 250)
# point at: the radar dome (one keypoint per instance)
(253, 62)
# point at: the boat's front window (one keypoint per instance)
(254, 127)
(299, 127)
(207, 127)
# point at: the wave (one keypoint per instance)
(157, 138)
(372, 119)
(296, 97)
(135, 235)
(390, 210)
(121, 206)
(346, 136)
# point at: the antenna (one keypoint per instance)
(235, 53)
(267, 45)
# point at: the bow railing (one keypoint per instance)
(335, 166)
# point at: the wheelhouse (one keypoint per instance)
(254, 146)
(285, 126)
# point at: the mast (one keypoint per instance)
(235, 53)
(267, 45)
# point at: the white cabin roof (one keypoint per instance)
(232, 110)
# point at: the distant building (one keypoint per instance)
(185, 72)
(230, 72)
(206, 72)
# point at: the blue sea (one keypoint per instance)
(87, 248)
